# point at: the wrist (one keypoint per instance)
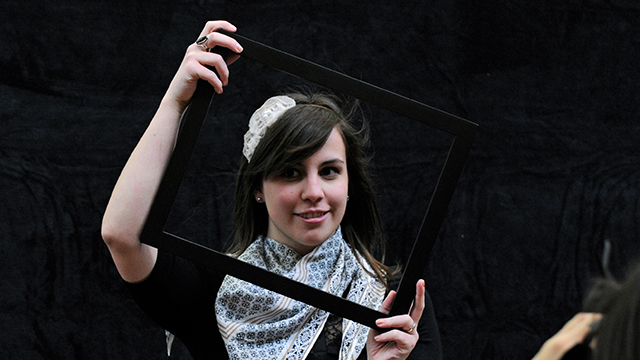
(172, 106)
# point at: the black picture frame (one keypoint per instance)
(462, 130)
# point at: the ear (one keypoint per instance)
(258, 195)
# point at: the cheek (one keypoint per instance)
(339, 195)
(282, 195)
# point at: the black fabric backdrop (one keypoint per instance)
(551, 176)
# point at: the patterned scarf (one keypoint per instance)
(256, 323)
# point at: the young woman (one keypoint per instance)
(304, 208)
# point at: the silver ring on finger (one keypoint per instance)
(413, 327)
(202, 42)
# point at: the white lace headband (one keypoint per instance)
(261, 119)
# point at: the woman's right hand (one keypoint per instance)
(138, 183)
(195, 64)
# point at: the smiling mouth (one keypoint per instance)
(313, 215)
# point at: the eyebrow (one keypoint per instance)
(336, 160)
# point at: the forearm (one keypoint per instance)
(139, 180)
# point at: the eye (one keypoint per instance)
(290, 173)
(329, 171)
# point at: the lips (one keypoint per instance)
(313, 215)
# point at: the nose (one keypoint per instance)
(312, 189)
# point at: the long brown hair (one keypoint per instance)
(296, 135)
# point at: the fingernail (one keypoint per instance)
(239, 49)
(379, 322)
(376, 338)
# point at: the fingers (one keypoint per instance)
(403, 336)
(212, 26)
(578, 327)
(418, 303)
(403, 339)
(404, 342)
(572, 333)
(408, 322)
(403, 322)
(386, 304)
(199, 62)
(213, 39)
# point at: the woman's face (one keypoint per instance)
(307, 203)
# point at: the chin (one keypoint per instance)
(317, 238)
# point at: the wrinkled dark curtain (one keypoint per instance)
(552, 174)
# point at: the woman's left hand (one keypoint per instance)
(399, 342)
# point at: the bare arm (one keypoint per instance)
(138, 183)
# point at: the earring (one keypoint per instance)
(347, 197)
(259, 199)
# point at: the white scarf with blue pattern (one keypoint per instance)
(256, 323)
